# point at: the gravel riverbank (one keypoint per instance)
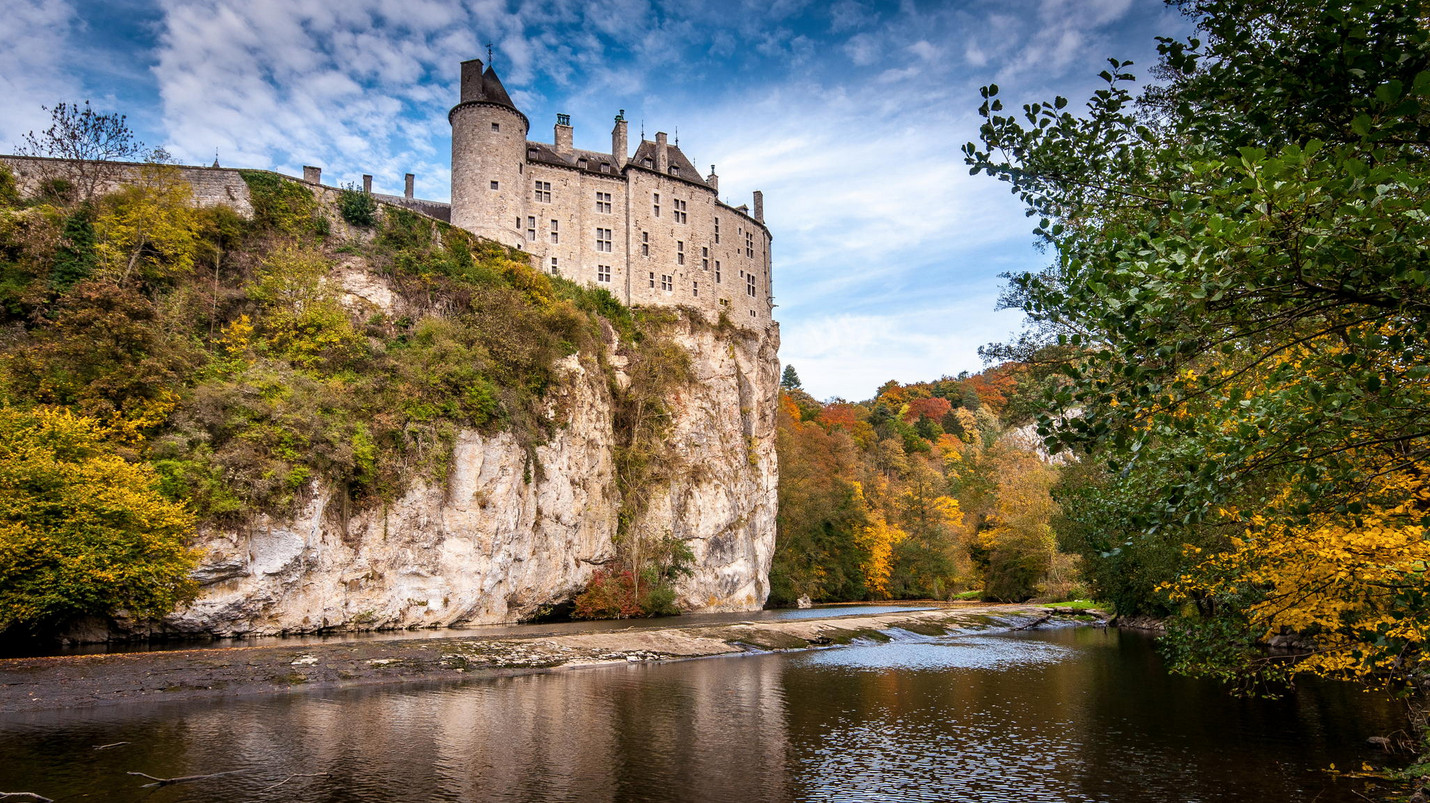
(34, 684)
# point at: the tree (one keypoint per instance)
(82, 531)
(790, 379)
(1240, 272)
(91, 140)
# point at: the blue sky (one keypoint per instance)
(849, 115)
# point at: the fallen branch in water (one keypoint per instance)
(295, 775)
(31, 795)
(107, 746)
(181, 778)
(1034, 623)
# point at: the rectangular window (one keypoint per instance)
(655, 203)
(717, 229)
(603, 273)
(652, 280)
(603, 203)
(749, 244)
(496, 126)
(704, 258)
(530, 229)
(695, 288)
(667, 282)
(645, 243)
(680, 216)
(717, 271)
(543, 191)
(603, 240)
(554, 271)
(750, 285)
(494, 185)
(680, 252)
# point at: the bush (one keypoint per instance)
(617, 595)
(357, 207)
(285, 206)
(82, 531)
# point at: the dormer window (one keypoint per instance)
(582, 164)
(531, 153)
(649, 163)
(675, 170)
(605, 167)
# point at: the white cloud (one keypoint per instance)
(35, 65)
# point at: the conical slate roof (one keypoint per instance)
(494, 91)
(484, 87)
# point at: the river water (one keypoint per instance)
(1064, 715)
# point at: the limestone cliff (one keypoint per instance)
(501, 538)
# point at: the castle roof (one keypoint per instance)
(484, 88)
(493, 91)
(679, 164)
(542, 153)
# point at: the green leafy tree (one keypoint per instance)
(358, 208)
(75, 258)
(1240, 275)
(82, 531)
(790, 379)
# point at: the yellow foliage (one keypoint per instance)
(878, 539)
(148, 229)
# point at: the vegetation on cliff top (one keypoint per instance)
(227, 364)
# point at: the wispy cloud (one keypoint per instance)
(35, 65)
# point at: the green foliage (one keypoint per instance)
(358, 208)
(789, 380)
(282, 205)
(75, 258)
(9, 191)
(82, 530)
(1240, 287)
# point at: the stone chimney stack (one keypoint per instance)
(759, 206)
(312, 174)
(367, 183)
(662, 159)
(407, 191)
(472, 80)
(713, 180)
(564, 134)
(620, 149)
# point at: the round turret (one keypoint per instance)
(488, 157)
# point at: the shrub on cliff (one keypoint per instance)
(357, 207)
(82, 530)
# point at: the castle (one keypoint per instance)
(646, 227)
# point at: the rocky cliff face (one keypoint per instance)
(502, 538)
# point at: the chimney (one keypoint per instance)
(407, 191)
(619, 148)
(472, 80)
(313, 175)
(367, 184)
(662, 159)
(759, 206)
(713, 180)
(564, 134)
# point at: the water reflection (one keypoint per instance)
(1070, 715)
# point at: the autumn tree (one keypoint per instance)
(91, 141)
(1240, 278)
(82, 530)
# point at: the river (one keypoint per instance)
(1063, 715)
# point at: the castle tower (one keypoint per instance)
(488, 157)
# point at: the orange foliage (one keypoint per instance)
(932, 408)
(837, 415)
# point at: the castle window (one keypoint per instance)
(655, 202)
(496, 126)
(680, 252)
(520, 168)
(695, 288)
(554, 234)
(645, 243)
(717, 271)
(750, 285)
(649, 163)
(724, 302)
(752, 313)
(749, 244)
(667, 282)
(494, 185)
(704, 258)
(543, 191)
(605, 167)
(603, 273)
(652, 280)
(530, 228)
(554, 270)
(680, 216)
(603, 240)
(603, 202)
(531, 153)
(717, 229)
(581, 164)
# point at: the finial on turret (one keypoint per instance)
(677, 136)
(215, 157)
(489, 54)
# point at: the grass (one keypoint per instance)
(1076, 604)
(974, 594)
